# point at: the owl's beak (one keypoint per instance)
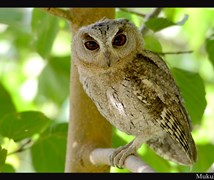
(107, 55)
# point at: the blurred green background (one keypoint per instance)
(34, 84)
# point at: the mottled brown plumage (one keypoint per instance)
(134, 90)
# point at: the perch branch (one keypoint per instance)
(58, 12)
(153, 14)
(100, 156)
(133, 12)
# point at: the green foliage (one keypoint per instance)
(3, 155)
(34, 84)
(53, 83)
(157, 24)
(53, 79)
(188, 83)
(45, 28)
(6, 105)
(10, 16)
(51, 146)
(205, 159)
(19, 126)
(7, 168)
(210, 47)
(152, 44)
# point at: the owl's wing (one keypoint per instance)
(154, 86)
(156, 59)
(160, 81)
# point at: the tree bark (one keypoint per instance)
(87, 128)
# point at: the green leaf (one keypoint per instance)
(8, 168)
(193, 92)
(6, 105)
(157, 24)
(45, 27)
(170, 13)
(156, 162)
(152, 44)
(205, 158)
(130, 16)
(54, 80)
(19, 126)
(122, 14)
(210, 47)
(12, 16)
(3, 155)
(48, 153)
(116, 139)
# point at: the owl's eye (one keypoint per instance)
(119, 40)
(91, 45)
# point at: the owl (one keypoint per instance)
(134, 90)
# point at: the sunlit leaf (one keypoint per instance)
(123, 14)
(45, 28)
(152, 44)
(12, 16)
(193, 92)
(159, 23)
(48, 154)
(205, 159)
(170, 13)
(210, 48)
(6, 103)
(54, 80)
(19, 126)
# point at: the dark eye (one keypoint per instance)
(91, 45)
(119, 40)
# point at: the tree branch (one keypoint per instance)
(87, 129)
(100, 156)
(153, 14)
(178, 52)
(58, 12)
(22, 147)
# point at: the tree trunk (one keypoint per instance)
(87, 128)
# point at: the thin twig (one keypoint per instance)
(21, 148)
(100, 156)
(58, 12)
(178, 52)
(133, 12)
(153, 14)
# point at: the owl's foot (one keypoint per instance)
(118, 157)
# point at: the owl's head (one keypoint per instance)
(107, 42)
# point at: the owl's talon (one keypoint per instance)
(118, 157)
